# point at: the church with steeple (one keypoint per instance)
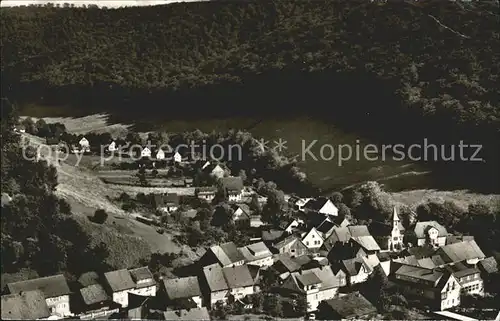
(395, 242)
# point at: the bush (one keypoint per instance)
(100, 216)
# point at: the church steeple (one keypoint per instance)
(395, 218)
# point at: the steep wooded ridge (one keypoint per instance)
(401, 69)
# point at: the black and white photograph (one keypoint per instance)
(250, 160)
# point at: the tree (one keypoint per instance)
(273, 306)
(275, 205)
(255, 205)
(243, 175)
(337, 198)
(100, 216)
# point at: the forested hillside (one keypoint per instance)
(402, 69)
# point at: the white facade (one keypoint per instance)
(314, 298)
(472, 284)
(450, 294)
(160, 154)
(112, 147)
(177, 157)
(146, 152)
(145, 291)
(84, 144)
(266, 261)
(241, 292)
(395, 242)
(433, 238)
(121, 298)
(207, 196)
(313, 239)
(59, 306)
(218, 296)
(234, 197)
(329, 209)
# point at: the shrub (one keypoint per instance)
(100, 216)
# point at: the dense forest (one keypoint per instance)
(399, 70)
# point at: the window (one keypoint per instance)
(395, 238)
(307, 243)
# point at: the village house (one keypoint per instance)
(167, 203)
(112, 147)
(326, 228)
(26, 305)
(177, 158)
(179, 290)
(285, 264)
(145, 284)
(292, 225)
(119, 283)
(316, 285)
(206, 193)
(349, 242)
(430, 232)
(298, 203)
(467, 251)
(352, 306)
(84, 145)
(241, 215)
(146, 152)
(257, 254)
(55, 291)
(226, 254)
(214, 170)
(395, 241)
(96, 303)
(469, 278)
(321, 205)
(232, 188)
(256, 220)
(439, 288)
(358, 269)
(195, 314)
(160, 154)
(291, 245)
(220, 283)
(312, 239)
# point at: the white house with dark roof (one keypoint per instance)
(430, 232)
(206, 193)
(316, 284)
(440, 288)
(84, 145)
(312, 239)
(291, 245)
(54, 289)
(146, 152)
(232, 188)
(257, 254)
(145, 284)
(27, 305)
(321, 205)
(96, 302)
(214, 286)
(186, 288)
(241, 215)
(119, 284)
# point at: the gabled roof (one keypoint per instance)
(353, 266)
(215, 278)
(325, 227)
(327, 277)
(421, 251)
(119, 280)
(227, 253)
(421, 229)
(461, 251)
(352, 305)
(182, 288)
(94, 293)
(206, 190)
(307, 278)
(419, 274)
(50, 286)
(272, 235)
(255, 251)
(24, 306)
(316, 204)
(489, 265)
(367, 242)
(238, 276)
(358, 230)
(232, 183)
(188, 315)
(288, 263)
